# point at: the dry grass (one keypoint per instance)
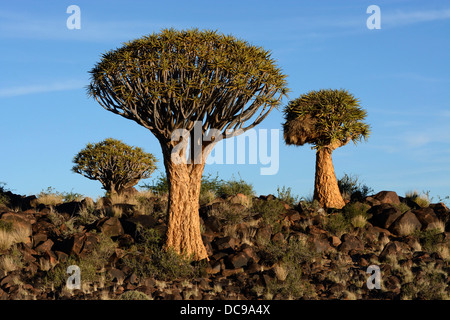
(406, 229)
(422, 199)
(359, 221)
(9, 238)
(50, 200)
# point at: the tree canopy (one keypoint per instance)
(169, 80)
(115, 164)
(325, 118)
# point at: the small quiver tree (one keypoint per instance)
(327, 119)
(188, 88)
(115, 164)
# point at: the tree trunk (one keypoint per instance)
(326, 189)
(183, 234)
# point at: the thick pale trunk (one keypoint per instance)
(326, 189)
(183, 234)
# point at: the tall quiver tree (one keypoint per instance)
(181, 80)
(327, 119)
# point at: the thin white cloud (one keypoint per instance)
(400, 18)
(14, 25)
(40, 88)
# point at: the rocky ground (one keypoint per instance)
(259, 248)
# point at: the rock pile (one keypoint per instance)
(260, 248)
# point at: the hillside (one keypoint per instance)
(259, 248)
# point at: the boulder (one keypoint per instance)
(241, 199)
(18, 221)
(393, 248)
(405, 224)
(46, 246)
(383, 215)
(441, 210)
(71, 208)
(130, 225)
(237, 260)
(350, 242)
(110, 226)
(84, 243)
(384, 197)
(426, 216)
(225, 244)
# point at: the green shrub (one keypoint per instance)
(285, 194)
(150, 259)
(289, 259)
(429, 239)
(6, 226)
(233, 186)
(230, 214)
(4, 199)
(337, 224)
(90, 264)
(353, 190)
(210, 184)
(134, 295)
(271, 212)
(355, 209)
(431, 285)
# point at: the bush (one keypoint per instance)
(429, 239)
(150, 259)
(353, 190)
(210, 186)
(337, 224)
(115, 164)
(90, 264)
(134, 295)
(271, 211)
(288, 259)
(285, 194)
(4, 199)
(232, 187)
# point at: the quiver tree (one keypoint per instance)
(327, 119)
(189, 88)
(115, 164)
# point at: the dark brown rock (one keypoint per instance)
(441, 210)
(393, 248)
(130, 225)
(110, 226)
(293, 215)
(237, 260)
(225, 243)
(71, 208)
(117, 275)
(350, 242)
(405, 224)
(383, 215)
(46, 246)
(426, 216)
(384, 197)
(320, 242)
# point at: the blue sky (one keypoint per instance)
(400, 73)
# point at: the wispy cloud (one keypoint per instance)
(41, 88)
(399, 18)
(28, 26)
